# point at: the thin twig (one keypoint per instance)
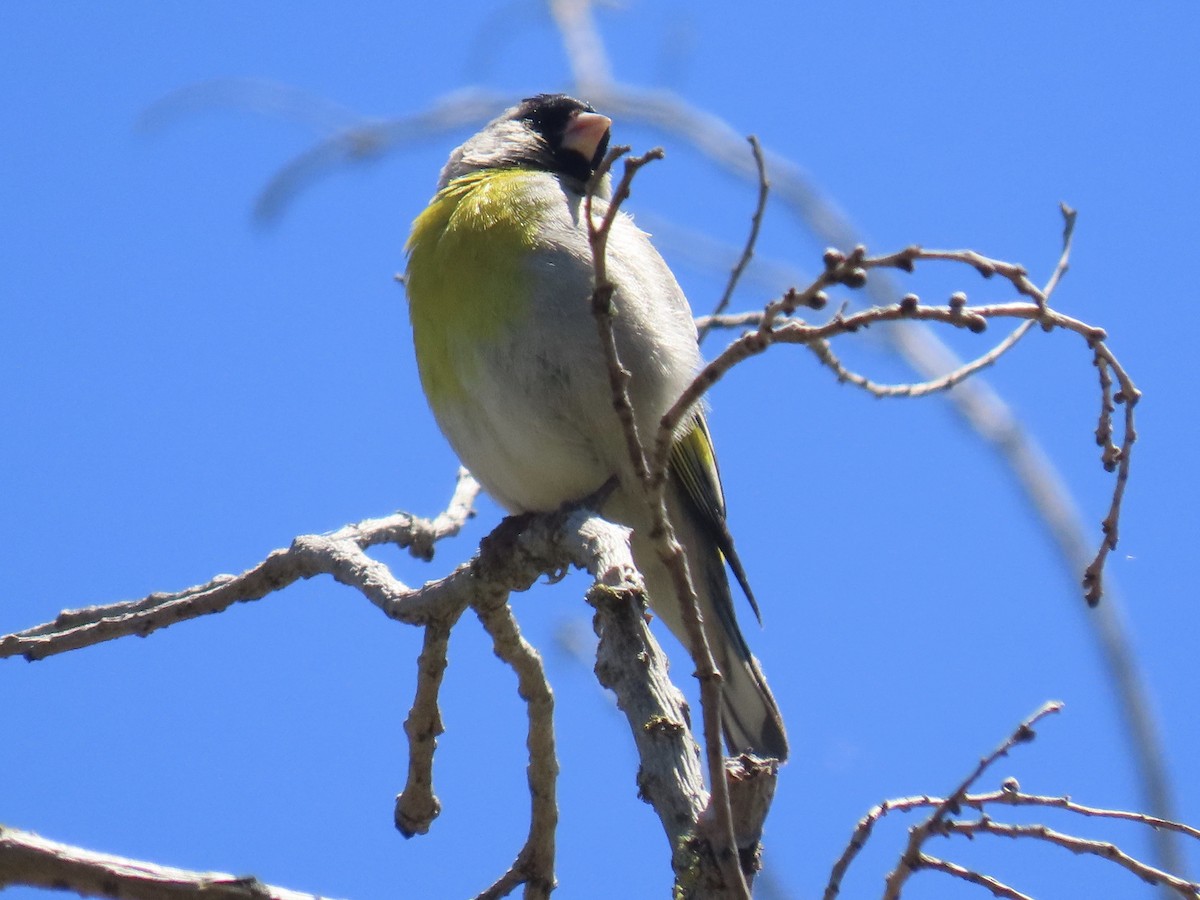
(1010, 795)
(1017, 798)
(909, 302)
(824, 352)
(764, 188)
(852, 270)
(602, 295)
(451, 520)
(862, 832)
(1128, 395)
(1103, 849)
(910, 858)
(998, 888)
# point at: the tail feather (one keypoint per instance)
(750, 717)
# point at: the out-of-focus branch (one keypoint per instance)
(29, 859)
(346, 137)
(585, 50)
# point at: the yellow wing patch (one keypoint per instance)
(694, 464)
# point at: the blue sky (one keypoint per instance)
(185, 390)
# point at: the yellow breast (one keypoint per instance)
(466, 279)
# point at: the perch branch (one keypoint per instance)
(631, 664)
(339, 554)
(512, 557)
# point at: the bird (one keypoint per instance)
(499, 279)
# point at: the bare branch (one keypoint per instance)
(450, 521)
(1103, 849)
(534, 866)
(1017, 798)
(862, 832)
(910, 860)
(29, 859)
(1119, 457)
(852, 270)
(602, 294)
(983, 409)
(339, 554)
(909, 302)
(939, 822)
(1009, 795)
(998, 888)
(417, 806)
(825, 354)
(512, 557)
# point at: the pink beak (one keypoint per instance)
(585, 132)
